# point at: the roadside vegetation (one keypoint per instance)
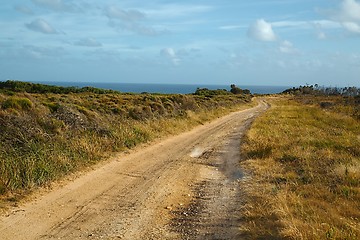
(316, 90)
(47, 132)
(303, 159)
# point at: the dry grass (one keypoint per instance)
(44, 137)
(305, 168)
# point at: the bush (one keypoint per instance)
(17, 103)
(208, 92)
(53, 107)
(237, 90)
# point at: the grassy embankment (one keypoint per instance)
(45, 136)
(303, 156)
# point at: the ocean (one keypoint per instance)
(165, 88)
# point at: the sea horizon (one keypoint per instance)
(164, 88)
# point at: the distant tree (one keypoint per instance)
(246, 91)
(208, 92)
(235, 90)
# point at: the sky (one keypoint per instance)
(257, 42)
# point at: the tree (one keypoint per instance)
(235, 89)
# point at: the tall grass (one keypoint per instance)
(44, 137)
(305, 163)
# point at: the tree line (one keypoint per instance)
(19, 86)
(321, 90)
(233, 90)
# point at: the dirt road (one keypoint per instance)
(185, 187)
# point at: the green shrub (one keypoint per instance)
(53, 107)
(17, 103)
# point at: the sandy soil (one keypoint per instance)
(185, 187)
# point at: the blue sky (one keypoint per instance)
(257, 42)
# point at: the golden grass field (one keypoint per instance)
(303, 163)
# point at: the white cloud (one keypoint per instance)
(136, 27)
(352, 27)
(306, 24)
(327, 24)
(262, 31)
(348, 15)
(177, 10)
(88, 42)
(40, 25)
(349, 11)
(113, 12)
(36, 52)
(24, 9)
(190, 52)
(289, 24)
(288, 47)
(230, 27)
(170, 54)
(318, 25)
(321, 35)
(129, 20)
(56, 5)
